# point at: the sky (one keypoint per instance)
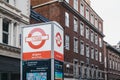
(109, 11)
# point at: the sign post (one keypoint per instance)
(42, 52)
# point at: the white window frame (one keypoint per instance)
(67, 19)
(82, 48)
(82, 29)
(75, 45)
(87, 14)
(92, 19)
(96, 39)
(75, 24)
(87, 33)
(92, 36)
(67, 42)
(82, 9)
(113, 64)
(100, 56)
(87, 51)
(96, 23)
(105, 62)
(100, 26)
(100, 42)
(76, 4)
(6, 32)
(96, 55)
(75, 68)
(92, 53)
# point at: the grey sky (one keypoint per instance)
(109, 11)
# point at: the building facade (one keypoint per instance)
(112, 62)
(13, 15)
(83, 36)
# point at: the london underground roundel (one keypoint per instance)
(58, 39)
(36, 38)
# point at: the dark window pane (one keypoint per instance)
(4, 76)
(5, 26)
(5, 38)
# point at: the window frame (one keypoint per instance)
(75, 24)
(75, 44)
(82, 9)
(67, 19)
(87, 32)
(82, 48)
(82, 29)
(67, 42)
(87, 51)
(75, 2)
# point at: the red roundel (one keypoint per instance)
(42, 41)
(58, 39)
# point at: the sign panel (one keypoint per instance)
(42, 52)
(58, 43)
(58, 70)
(37, 70)
(35, 42)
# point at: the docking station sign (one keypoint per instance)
(42, 52)
(37, 42)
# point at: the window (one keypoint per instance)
(67, 43)
(96, 23)
(93, 72)
(82, 69)
(96, 55)
(87, 32)
(92, 53)
(82, 29)
(75, 44)
(75, 68)
(66, 19)
(116, 65)
(92, 19)
(92, 36)
(100, 57)
(87, 51)
(96, 39)
(87, 14)
(88, 72)
(100, 27)
(76, 4)
(82, 9)
(100, 42)
(81, 48)
(75, 24)
(113, 64)
(97, 73)
(5, 31)
(67, 1)
(105, 62)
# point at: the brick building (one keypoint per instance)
(83, 36)
(112, 62)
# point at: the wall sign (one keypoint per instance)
(42, 52)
